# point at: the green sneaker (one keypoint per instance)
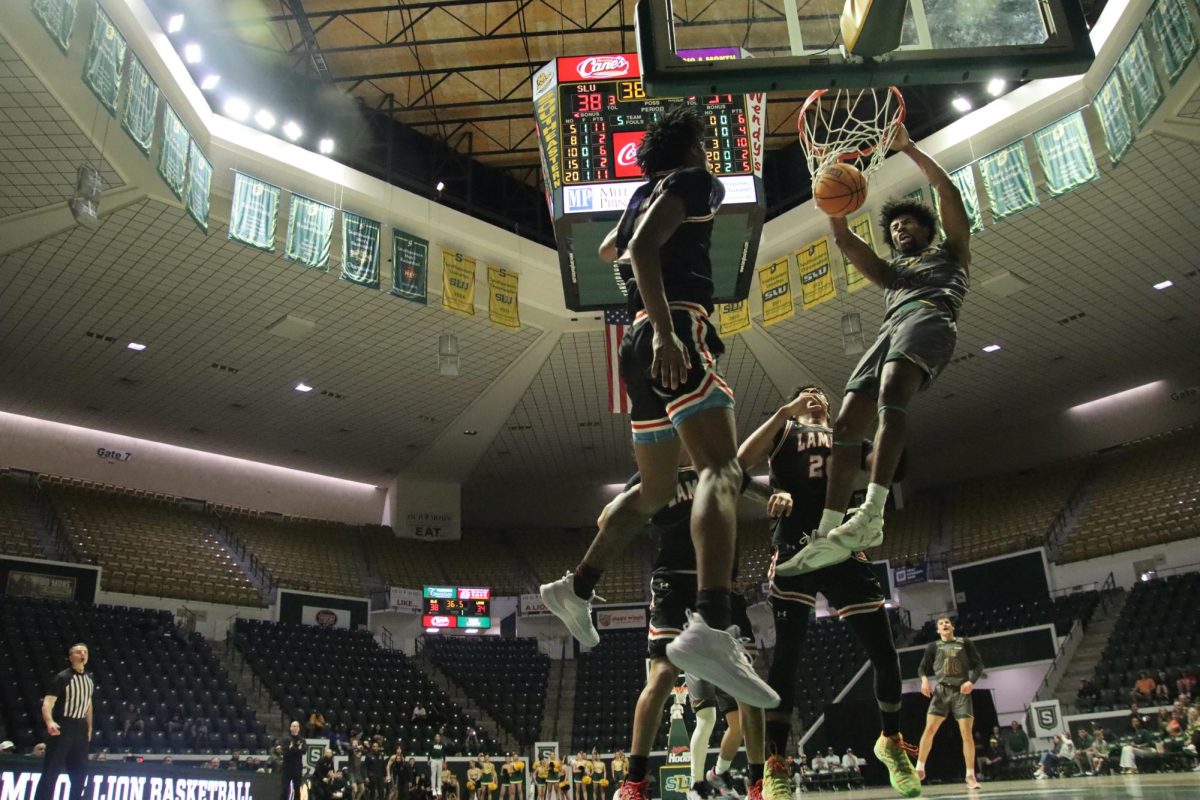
(777, 784)
(894, 755)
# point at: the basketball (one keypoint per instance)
(840, 189)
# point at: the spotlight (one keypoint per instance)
(961, 104)
(325, 146)
(192, 53)
(996, 86)
(265, 119)
(292, 131)
(175, 23)
(237, 108)
(210, 82)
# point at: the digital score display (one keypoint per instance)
(456, 607)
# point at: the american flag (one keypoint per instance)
(615, 324)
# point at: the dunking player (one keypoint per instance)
(924, 287)
(797, 441)
(955, 665)
(668, 361)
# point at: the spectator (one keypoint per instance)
(212, 763)
(1193, 726)
(818, 765)
(1141, 743)
(1016, 740)
(235, 761)
(397, 775)
(7, 748)
(1083, 750)
(852, 763)
(449, 784)
(39, 750)
(340, 787)
(175, 724)
(1143, 689)
(472, 741)
(375, 769)
(1099, 751)
(832, 762)
(355, 767)
(322, 776)
(1162, 693)
(126, 716)
(993, 758)
(419, 789)
(1088, 694)
(316, 723)
(168, 761)
(419, 714)
(1050, 759)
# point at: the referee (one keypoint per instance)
(69, 700)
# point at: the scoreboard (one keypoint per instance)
(591, 113)
(456, 607)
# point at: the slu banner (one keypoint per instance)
(141, 106)
(199, 183)
(1138, 73)
(861, 227)
(105, 61)
(360, 250)
(733, 317)
(1172, 26)
(173, 156)
(776, 287)
(964, 179)
(502, 297)
(1046, 719)
(1008, 180)
(309, 232)
(253, 216)
(149, 780)
(59, 18)
(410, 266)
(1065, 153)
(1114, 118)
(458, 283)
(816, 276)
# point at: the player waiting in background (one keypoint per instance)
(955, 666)
(668, 362)
(707, 702)
(924, 287)
(796, 442)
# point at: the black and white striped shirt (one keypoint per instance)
(74, 692)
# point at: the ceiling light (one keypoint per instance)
(433, 630)
(292, 131)
(991, 348)
(325, 146)
(210, 82)
(303, 387)
(996, 86)
(237, 108)
(1164, 285)
(440, 185)
(265, 119)
(961, 104)
(469, 432)
(175, 23)
(192, 53)
(136, 346)
(1123, 398)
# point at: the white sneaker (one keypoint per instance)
(816, 554)
(575, 613)
(719, 784)
(721, 659)
(862, 531)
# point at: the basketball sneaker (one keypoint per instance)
(777, 783)
(814, 553)
(755, 792)
(862, 531)
(700, 790)
(575, 613)
(722, 783)
(720, 658)
(893, 751)
(633, 790)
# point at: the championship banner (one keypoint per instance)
(410, 266)
(502, 297)
(458, 283)
(964, 179)
(776, 287)
(105, 61)
(252, 218)
(816, 276)
(1175, 36)
(1008, 180)
(1065, 153)
(733, 317)
(309, 232)
(173, 155)
(1138, 73)
(58, 17)
(360, 250)
(861, 227)
(1114, 118)
(199, 184)
(141, 106)
(1046, 719)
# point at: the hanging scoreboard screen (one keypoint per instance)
(591, 113)
(456, 607)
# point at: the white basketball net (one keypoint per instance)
(849, 125)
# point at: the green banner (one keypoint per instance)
(58, 16)
(254, 213)
(199, 183)
(173, 155)
(1138, 73)
(916, 194)
(410, 267)
(105, 61)
(309, 232)
(1114, 118)
(1008, 181)
(141, 106)
(360, 250)
(964, 179)
(1065, 153)
(1176, 38)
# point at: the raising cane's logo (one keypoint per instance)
(625, 143)
(600, 67)
(326, 618)
(628, 155)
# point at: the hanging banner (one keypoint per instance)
(1046, 719)
(173, 155)
(199, 184)
(105, 61)
(816, 276)
(776, 287)
(1138, 73)
(1175, 36)
(410, 266)
(861, 227)
(1008, 181)
(733, 317)
(964, 179)
(1114, 118)
(1065, 153)
(255, 210)
(58, 16)
(458, 283)
(141, 106)
(502, 297)
(916, 194)
(309, 232)
(360, 250)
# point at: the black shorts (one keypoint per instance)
(850, 587)
(672, 595)
(654, 409)
(919, 332)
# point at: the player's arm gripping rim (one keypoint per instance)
(671, 360)
(956, 225)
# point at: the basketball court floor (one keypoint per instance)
(1176, 786)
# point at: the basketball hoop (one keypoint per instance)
(852, 126)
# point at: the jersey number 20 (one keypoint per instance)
(816, 466)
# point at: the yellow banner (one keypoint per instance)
(776, 286)
(502, 297)
(734, 317)
(861, 227)
(458, 283)
(816, 277)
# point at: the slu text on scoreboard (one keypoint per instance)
(20, 785)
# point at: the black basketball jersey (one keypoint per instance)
(931, 275)
(686, 267)
(799, 462)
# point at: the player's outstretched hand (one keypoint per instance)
(900, 139)
(780, 505)
(671, 360)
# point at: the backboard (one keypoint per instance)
(798, 44)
